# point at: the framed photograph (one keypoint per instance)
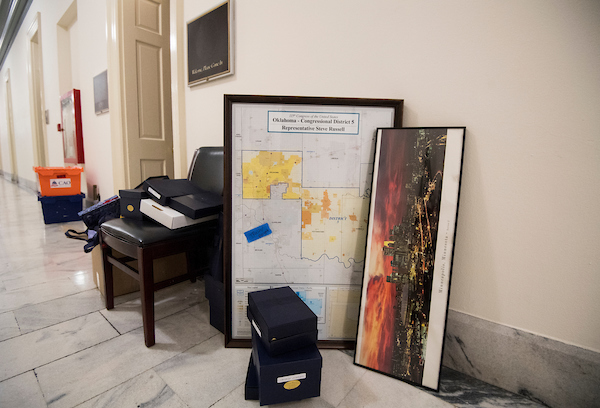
(410, 245)
(101, 92)
(71, 127)
(297, 191)
(210, 45)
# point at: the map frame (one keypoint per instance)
(343, 106)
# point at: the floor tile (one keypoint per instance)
(128, 316)
(50, 271)
(40, 347)
(55, 311)
(338, 376)
(236, 399)
(83, 280)
(12, 300)
(18, 266)
(91, 372)
(145, 390)
(8, 326)
(208, 363)
(21, 391)
(380, 391)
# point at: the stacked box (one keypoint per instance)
(59, 193)
(282, 320)
(130, 202)
(285, 356)
(61, 208)
(214, 292)
(173, 203)
(251, 389)
(59, 181)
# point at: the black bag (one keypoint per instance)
(93, 217)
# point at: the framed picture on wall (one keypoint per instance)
(101, 92)
(210, 44)
(409, 251)
(71, 128)
(297, 186)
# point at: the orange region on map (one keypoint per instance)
(309, 207)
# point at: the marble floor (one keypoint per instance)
(60, 347)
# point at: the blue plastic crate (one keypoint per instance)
(61, 208)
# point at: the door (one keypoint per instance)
(146, 73)
(36, 93)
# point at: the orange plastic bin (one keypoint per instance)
(59, 181)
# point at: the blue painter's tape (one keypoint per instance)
(258, 232)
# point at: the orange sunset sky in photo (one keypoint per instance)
(377, 328)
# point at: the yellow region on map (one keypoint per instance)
(265, 169)
(334, 222)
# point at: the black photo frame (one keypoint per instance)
(282, 155)
(410, 247)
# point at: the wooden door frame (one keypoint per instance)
(177, 30)
(38, 123)
(10, 125)
(118, 145)
(120, 162)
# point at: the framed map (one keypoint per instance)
(410, 245)
(297, 190)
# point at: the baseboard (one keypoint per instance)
(547, 371)
(31, 186)
(28, 185)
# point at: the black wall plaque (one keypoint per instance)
(209, 45)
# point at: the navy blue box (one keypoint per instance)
(282, 320)
(214, 292)
(251, 387)
(61, 208)
(284, 345)
(198, 205)
(288, 377)
(162, 190)
(130, 202)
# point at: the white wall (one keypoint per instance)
(96, 128)
(521, 76)
(89, 58)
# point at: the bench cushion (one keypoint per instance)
(146, 232)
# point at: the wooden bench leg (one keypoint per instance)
(145, 268)
(109, 294)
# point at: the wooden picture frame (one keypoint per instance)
(297, 186)
(410, 246)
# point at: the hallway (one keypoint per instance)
(60, 347)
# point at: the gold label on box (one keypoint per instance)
(130, 208)
(290, 385)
